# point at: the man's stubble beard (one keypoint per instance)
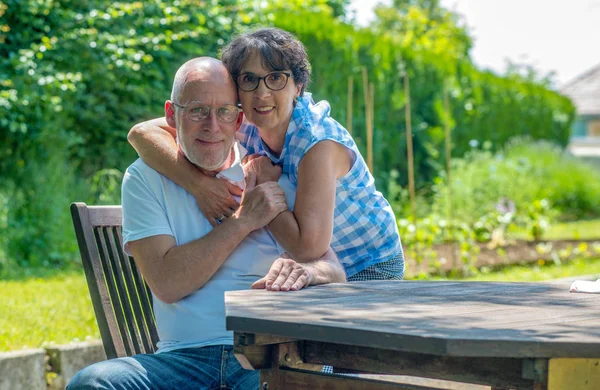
(200, 162)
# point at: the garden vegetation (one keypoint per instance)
(75, 76)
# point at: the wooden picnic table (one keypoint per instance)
(506, 335)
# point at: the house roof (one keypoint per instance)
(585, 92)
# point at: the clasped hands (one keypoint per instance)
(285, 274)
(215, 197)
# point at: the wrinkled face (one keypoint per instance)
(269, 110)
(206, 143)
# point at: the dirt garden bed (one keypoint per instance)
(445, 257)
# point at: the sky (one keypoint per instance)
(552, 35)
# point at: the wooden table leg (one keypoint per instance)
(270, 379)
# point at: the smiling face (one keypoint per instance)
(207, 143)
(269, 110)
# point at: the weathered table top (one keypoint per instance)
(483, 319)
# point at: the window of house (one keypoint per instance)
(594, 128)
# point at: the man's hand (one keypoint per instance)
(262, 168)
(215, 198)
(285, 275)
(261, 204)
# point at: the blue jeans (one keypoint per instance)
(213, 367)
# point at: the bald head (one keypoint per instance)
(199, 70)
(206, 141)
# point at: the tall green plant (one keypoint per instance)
(522, 172)
(38, 225)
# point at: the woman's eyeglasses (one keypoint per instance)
(275, 81)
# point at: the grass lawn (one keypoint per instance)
(542, 271)
(575, 230)
(57, 308)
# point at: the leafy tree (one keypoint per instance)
(424, 25)
(338, 7)
(75, 76)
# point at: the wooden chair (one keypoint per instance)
(122, 300)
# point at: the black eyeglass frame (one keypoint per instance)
(264, 79)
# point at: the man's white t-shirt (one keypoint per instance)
(154, 205)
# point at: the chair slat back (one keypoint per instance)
(122, 300)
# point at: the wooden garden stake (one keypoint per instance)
(349, 108)
(368, 119)
(409, 146)
(448, 161)
(448, 148)
(370, 127)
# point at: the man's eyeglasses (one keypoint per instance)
(197, 112)
(275, 81)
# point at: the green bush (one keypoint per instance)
(74, 77)
(39, 231)
(521, 172)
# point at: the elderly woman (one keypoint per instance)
(336, 202)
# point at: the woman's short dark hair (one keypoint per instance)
(279, 49)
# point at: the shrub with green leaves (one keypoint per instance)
(74, 77)
(522, 172)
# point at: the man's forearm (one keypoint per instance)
(175, 271)
(186, 268)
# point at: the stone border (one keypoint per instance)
(23, 370)
(47, 369)
(64, 361)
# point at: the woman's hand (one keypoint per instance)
(215, 198)
(262, 167)
(285, 275)
(261, 204)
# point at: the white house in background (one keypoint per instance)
(584, 91)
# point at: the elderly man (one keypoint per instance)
(186, 262)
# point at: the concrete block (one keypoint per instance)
(66, 360)
(23, 370)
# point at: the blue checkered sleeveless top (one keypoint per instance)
(364, 226)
